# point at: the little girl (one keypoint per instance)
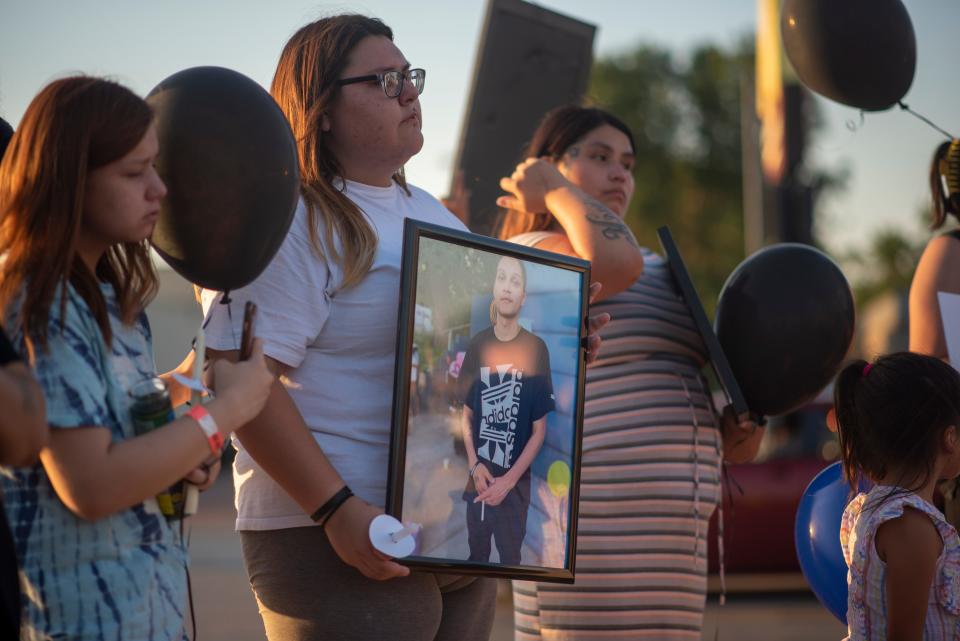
(898, 424)
(79, 196)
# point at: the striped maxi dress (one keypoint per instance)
(650, 479)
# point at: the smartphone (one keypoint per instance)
(246, 338)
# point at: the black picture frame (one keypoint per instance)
(718, 359)
(428, 479)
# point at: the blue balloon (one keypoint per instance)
(817, 538)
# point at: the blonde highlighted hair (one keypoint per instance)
(305, 85)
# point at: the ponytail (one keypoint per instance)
(848, 419)
(892, 414)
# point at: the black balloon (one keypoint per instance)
(861, 53)
(229, 161)
(785, 320)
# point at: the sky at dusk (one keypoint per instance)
(140, 44)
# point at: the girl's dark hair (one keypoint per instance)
(945, 168)
(557, 132)
(72, 127)
(893, 412)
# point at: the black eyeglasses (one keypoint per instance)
(391, 81)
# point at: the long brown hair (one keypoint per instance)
(557, 132)
(945, 172)
(73, 126)
(305, 85)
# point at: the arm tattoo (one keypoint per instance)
(612, 227)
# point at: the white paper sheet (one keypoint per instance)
(950, 316)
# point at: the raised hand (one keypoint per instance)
(529, 184)
(349, 533)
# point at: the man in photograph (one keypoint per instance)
(507, 393)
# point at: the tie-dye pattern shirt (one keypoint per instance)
(122, 576)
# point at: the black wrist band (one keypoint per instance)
(325, 511)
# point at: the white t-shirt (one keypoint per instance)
(339, 343)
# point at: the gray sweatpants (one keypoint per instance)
(306, 593)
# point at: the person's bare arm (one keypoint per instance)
(591, 230)
(909, 545)
(23, 421)
(937, 271)
(280, 442)
(95, 476)
(741, 436)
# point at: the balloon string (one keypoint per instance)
(852, 126)
(907, 108)
(226, 300)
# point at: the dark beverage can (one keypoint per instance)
(151, 409)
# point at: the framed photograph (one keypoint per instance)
(488, 405)
(718, 359)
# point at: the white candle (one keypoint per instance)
(403, 533)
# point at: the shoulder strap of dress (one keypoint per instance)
(531, 238)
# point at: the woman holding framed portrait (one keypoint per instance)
(652, 443)
(311, 469)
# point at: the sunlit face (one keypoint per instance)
(509, 288)
(601, 164)
(122, 199)
(370, 134)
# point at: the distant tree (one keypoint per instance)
(685, 115)
(448, 279)
(686, 121)
(888, 263)
(888, 260)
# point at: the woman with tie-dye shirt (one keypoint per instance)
(79, 195)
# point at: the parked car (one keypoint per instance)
(760, 499)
